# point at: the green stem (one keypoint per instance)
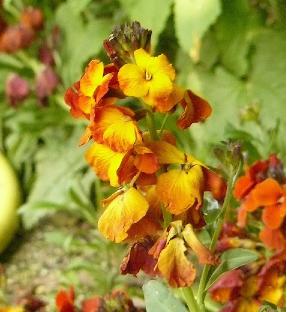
(98, 193)
(221, 218)
(151, 125)
(188, 296)
(163, 124)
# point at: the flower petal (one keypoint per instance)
(273, 216)
(105, 162)
(166, 153)
(132, 80)
(265, 193)
(92, 78)
(204, 255)
(174, 265)
(273, 239)
(126, 209)
(195, 108)
(179, 190)
(138, 259)
(115, 127)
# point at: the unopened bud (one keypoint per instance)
(46, 82)
(16, 89)
(33, 18)
(124, 40)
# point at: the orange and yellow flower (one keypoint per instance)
(124, 209)
(88, 92)
(150, 78)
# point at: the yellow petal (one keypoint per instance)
(125, 210)
(115, 127)
(92, 78)
(105, 162)
(132, 80)
(179, 190)
(204, 255)
(166, 153)
(160, 86)
(174, 266)
(142, 58)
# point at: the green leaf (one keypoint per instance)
(152, 14)
(230, 260)
(57, 166)
(158, 298)
(192, 20)
(267, 77)
(233, 33)
(83, 40)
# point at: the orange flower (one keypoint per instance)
(174, 265)
(124, 209)
(139, 159)
(65, 300)
(270, 196)
(182, 188)
(85, 94)
(115, 126)
(150, 78)
(170, 250)
(195, 108)
(105, 162)
(150, 224)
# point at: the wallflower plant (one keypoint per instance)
(158, 205)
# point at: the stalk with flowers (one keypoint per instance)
(157, 207)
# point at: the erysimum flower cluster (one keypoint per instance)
(262, 190)
(160, 188)
(248, 288)
(158, 204)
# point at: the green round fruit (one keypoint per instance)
(10, 199)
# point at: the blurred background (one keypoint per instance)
(230, 52)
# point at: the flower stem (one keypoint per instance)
(221, 218)
(151, 125)
(188, 296)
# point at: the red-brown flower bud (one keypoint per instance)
(46, 82)
(33, 18)
(16, 89)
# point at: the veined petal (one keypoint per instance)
(115, 127)
(145, 160)
(132, 81)
(195, 108)
(265, 193)
(138, 259)
(204, 255)
(160, 86)
(174, 265)
(160, 64)
(165, 104)
(105, 162)
(167, 153)
(179, 190)
(243, 186)
(273, 239)
(92, 78)
(273, 216)
(125, 210)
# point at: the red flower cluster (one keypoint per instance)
(116, 301)
(21, 35)
(261, 192)
(246, 289)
